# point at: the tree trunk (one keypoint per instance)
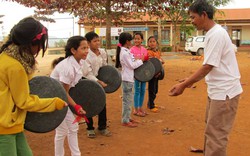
(108, 24)
(159, 32)
(175, 37)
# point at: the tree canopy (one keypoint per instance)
(113, 12)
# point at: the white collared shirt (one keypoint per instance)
(224, 79)
(68, 71)
(95, 62)
(128, 63)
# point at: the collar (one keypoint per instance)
(154, 50)
(126, 49)
(74, 63)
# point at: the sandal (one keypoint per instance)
(140, 114)
(135, 112)
(154, 110)
(105, 132)
(134, 121)
(129, 124)
(144, 112)
(91, 133)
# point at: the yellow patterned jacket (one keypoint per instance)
(15, 99)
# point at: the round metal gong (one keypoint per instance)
(111, 76)
(161, 77)
(45, 87)
(90, 95)
(145, 72)
(157, 64)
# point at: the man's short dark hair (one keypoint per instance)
(200, 6)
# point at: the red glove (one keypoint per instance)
(77, 109)
(79, 116)
(146, 58)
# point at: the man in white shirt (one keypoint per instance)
(220, 69)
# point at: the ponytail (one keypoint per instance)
(5, 45)
(117, 57)
(56, 61)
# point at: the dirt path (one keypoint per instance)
(183, 114)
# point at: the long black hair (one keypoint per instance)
(73, 42)
(123, 38)
(26, 33)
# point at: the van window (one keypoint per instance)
(200, 39)
(190, 39)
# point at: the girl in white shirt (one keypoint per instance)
(69, 72)
(128, 63)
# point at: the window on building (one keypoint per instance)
(165, 35)
(155, 34)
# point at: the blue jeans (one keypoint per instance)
(140, 88)
(14, 145)
(127, 99)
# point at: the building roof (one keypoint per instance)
(235, 14)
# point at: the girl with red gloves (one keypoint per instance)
(69, 72)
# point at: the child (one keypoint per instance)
(140, 87)
(128, 63)
(69, 72)
(96, 58)
(17, 59)
(153, 83)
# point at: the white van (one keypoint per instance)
(195, 45)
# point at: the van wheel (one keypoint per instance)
(193, 53)
(200, 51)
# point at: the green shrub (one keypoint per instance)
(166, 49)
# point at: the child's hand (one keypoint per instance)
(79, 110)
(103, 84)
(80, 114)
(60, 104)
(162, 61)
(144, 57)
(157, 75)
(137, 57)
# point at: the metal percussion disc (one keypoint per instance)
(111, 76)
(90, 95)
(157, 64)
(161, 77)
(45, 87)
(145, 72)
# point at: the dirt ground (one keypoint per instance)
(184, 115)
